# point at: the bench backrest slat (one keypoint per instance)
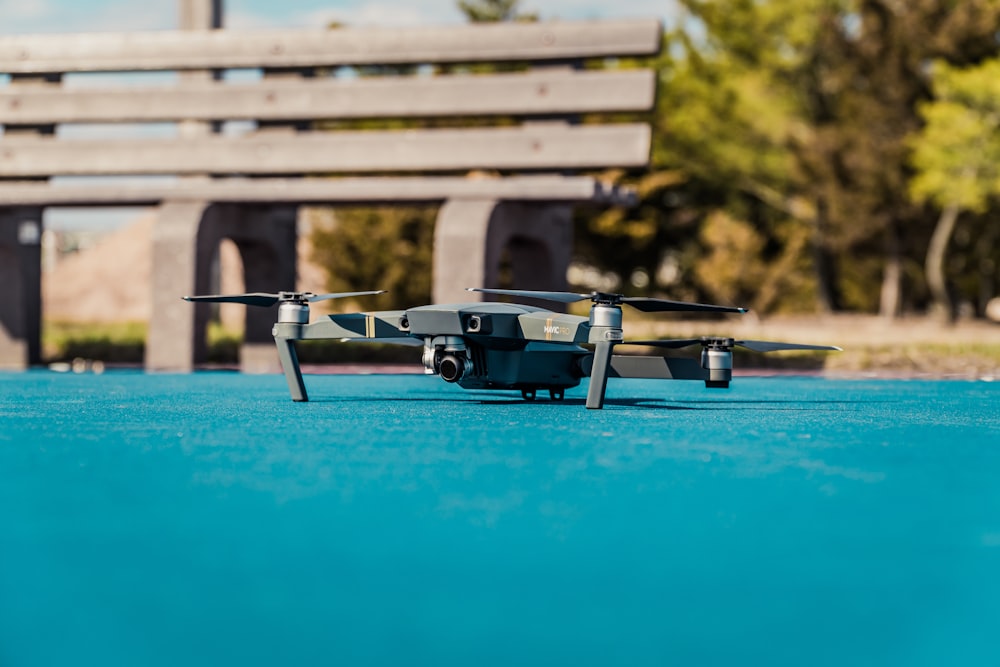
(530, 147)
(522, 94)
(222, 49)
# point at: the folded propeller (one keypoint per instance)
(642, 303)
(728, 343)
(266, 299)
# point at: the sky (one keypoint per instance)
(47, 16)
(18, 17)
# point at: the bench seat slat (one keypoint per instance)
(384, 189)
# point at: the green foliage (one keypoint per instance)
(721, 128)
(794, 118)
(957, 161)
(742, 266)
(491, 11)
(223, 344)
(732, 269)
(122, 342)
(116, 342)
(386, 248)
(957, 153)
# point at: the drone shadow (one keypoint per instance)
(643, 403)
(650, 403)
(667, 404)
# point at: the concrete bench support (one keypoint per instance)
(21, 282)
(471, 236)
(185, 240)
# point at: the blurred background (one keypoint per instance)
(832, 164)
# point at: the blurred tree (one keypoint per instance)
(957, 159)
(865, 77)
(386, 248)
(491, 11)
(793, 116)
(725, 115)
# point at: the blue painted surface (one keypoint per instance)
(207, 520)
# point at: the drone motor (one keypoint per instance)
(717, 359)
(293, 312)
(606, 315)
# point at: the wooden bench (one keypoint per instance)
(527, 146)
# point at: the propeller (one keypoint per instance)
(265, 299)
(707, 341)
(642, 303)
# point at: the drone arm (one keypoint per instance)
(356, 325)
(656, 368)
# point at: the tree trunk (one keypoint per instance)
(934, 266)
(890, 297)
(985, 251)
(823, 263)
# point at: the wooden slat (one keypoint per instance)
(533, 93)
(531, 147)
(385, 189)
(219, 49)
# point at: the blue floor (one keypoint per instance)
(397, 520)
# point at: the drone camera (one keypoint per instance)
(453, 368)
(446, 356)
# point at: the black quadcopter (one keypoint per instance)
(491, 345)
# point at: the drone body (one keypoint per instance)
(475, 345)
(489, 345)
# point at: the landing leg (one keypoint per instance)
(528, 394)
(599, 376)
(557, 394)
(290, 365)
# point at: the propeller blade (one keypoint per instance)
(266, 299)
(643, 303)
(670, 344)
(561, 297)
(650, 305)
(408, 341)
(254, 299)
(755, 345)
(771, 346)
(313, 298)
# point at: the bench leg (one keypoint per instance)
(186, 238)
(176, 338)
(266, 237)
(471, 237)
(21, 280)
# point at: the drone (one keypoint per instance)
(509, 346)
